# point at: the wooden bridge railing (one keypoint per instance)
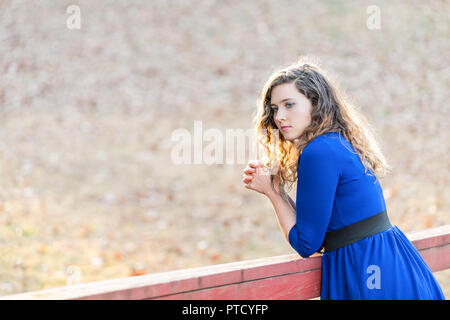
(279, 277)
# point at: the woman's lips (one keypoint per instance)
(285, 128)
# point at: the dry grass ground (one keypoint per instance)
(88, 189)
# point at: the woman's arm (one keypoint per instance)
(285, 212)
(292, 202)
(318, 177)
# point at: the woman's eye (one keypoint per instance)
(289, 104)
(275, 109)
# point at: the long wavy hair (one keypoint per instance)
(330, 112)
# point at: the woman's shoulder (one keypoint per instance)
(329, 144)
(325, 141)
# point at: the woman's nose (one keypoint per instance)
(280, 115)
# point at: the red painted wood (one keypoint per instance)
(166, 288)
(219, 279)
(297, 286)
(431, 242)
(270, 270)
(437, 258)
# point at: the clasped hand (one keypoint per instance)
(257, 178)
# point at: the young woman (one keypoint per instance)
(339, 210)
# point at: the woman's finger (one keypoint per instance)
(247, 173)
(249, 170)
(254, 163)
(247, 179)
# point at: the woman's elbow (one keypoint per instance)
(306, 253)
(302, 247)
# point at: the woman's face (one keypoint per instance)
(291, 110)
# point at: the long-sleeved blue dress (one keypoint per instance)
(333, 192)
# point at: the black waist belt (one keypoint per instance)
(357, 231)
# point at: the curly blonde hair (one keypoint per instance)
(330, 113)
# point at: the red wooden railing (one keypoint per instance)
(280, 277)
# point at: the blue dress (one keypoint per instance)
(333, 192)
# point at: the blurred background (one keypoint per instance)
(88, 190)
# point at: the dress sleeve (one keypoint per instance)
(318, 176)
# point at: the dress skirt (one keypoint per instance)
(385, 266)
